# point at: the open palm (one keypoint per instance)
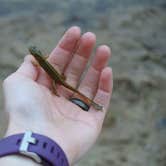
(32, 105)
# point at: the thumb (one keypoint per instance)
(28, 69)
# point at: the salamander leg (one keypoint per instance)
(35, 63)
(54, 89)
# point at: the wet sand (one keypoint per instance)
(134, 131)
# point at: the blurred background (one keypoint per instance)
(134, 132)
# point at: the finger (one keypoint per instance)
(77, 66)
(90, 83)
(62, 54)
(103, 94)
(28, 69)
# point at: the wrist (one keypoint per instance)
(19, 127)
(17, 160)
(38, 147)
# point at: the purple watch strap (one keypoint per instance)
(47, 149)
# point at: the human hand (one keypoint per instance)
(31, 105)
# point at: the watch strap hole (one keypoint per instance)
(58, 155)
(44, 145)
(37, 141)
(52, 149)
(18, 142)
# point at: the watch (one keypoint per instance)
(38, 147)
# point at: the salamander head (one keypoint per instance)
(34, 51)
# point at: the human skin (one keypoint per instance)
(31, 104)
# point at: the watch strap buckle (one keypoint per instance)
(23, 149)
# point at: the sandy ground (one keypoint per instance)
(134, 131)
